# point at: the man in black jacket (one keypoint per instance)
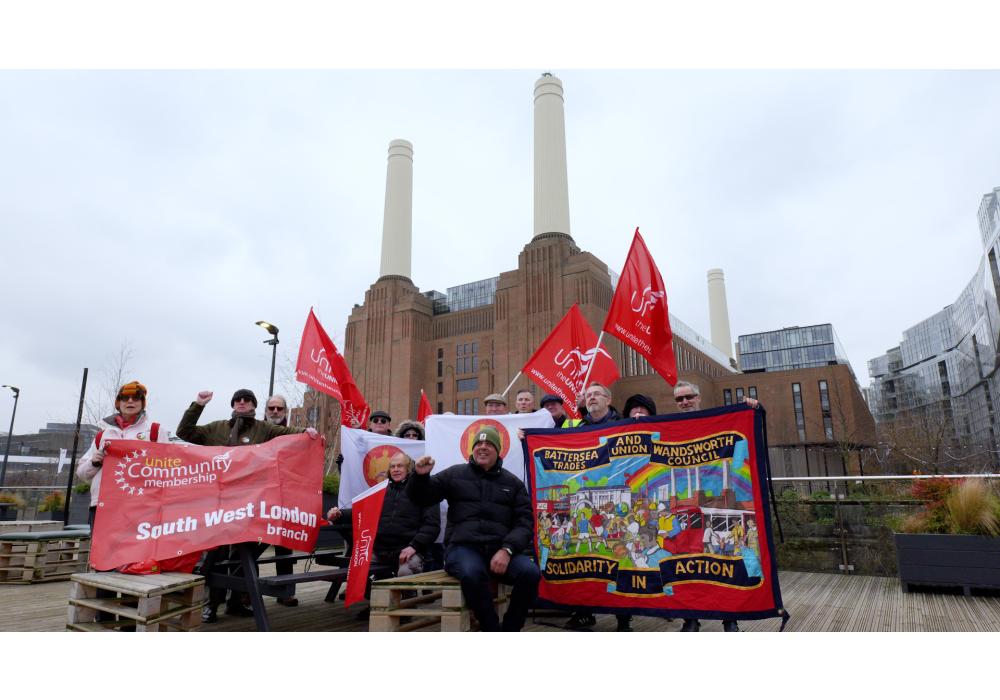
(489, 526)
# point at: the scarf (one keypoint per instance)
(238, 423)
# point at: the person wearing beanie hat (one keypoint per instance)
(129, 422)
(638, 405)
(490, 523)
(241, 429)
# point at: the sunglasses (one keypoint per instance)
(686, 397)
(411, 435)
(380, 420)
(275, 408)
(138, 396)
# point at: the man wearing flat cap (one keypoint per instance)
(489, 528)
(242, 428)
(496, 405)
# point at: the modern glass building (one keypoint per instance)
(947, 364)
(797, 347)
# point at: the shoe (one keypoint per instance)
(624, 623)
(208, 615)
(730, 626)
(581, 620)
(289, 602)
(691, 626)
(237, 610)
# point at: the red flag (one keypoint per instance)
(324, 369)
(163, 501)
(425, 409)
(366, 508)
(561, 362)
(638, 313)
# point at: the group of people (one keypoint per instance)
(490, 521)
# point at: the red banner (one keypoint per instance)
(638, 313)
(323, 368)
(425, 409)
(657, 516)
(365, 511)
(561, 362)
(163, 500)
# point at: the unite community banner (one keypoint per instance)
(663, 515)
(160, 501)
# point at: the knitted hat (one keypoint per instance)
(550, 398)
(243, 394)
(490, 435)
(495, 398)
(131, 389)
(639, 400)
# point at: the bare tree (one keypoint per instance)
(113, 374)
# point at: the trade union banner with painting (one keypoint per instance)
(663, 515)
(161, 501)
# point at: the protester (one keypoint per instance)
(496, 405)
(378, 423)
(129, 422)
(525, 401)
(639, 405)
(242, 428)
(688, 398)
(410, 430)
(406, 531)
(554, 405)
(490, 524)
(276, 412)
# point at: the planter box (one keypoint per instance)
(8, 511)
(968, 561)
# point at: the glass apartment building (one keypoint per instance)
(790, 348)
(947, 364)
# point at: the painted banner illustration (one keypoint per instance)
(366, 509)
(366, 460)
(164, 500)
(664, 515)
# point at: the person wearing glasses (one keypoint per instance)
(129, 422)
(410, 430)
(242, 428)
(378, 423)
(688, 398)
(276, 412)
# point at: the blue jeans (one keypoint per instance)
(471, 566)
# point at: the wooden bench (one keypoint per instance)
(9, 526)
(390, 604)
(33, 557)
(154, 603)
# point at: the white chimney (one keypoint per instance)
(551, 189)
(397, 219)
(718, 312)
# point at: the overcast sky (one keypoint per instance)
(171, 210)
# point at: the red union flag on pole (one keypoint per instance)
(425, 409)
(324, 369)
(638, 313)
(366, 508)
(563, 361)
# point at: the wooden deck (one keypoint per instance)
(817, 603)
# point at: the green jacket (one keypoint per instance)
(217, 432)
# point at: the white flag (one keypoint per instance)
(450, 438)
(366, 460)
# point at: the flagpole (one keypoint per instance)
(504, 394)
(594, 361)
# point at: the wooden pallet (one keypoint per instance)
(426, 599)
(29, 525)
(156, 603)
(53, 558)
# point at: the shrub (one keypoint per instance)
(972, 509)
(12, 498)
(331, 483)
(52, 503)
(82, 487)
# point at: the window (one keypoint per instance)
(440, 408)
(468, 384)
(824, 404)
(440, 368)
(727, 397)
(752, 392)
(467, 358)
(739, 395)
(440, 353)
(800, 420)
(440, 387)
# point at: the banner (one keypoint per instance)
(159, 501)
(323, 368)
(366, 460)
(639, 314)
(424, 410)
(366, 509)
(656, 516)
(450, 438)
(561, 363)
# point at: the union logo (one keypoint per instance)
(376, 464)
(647, 300)
(468, 438)
(576, 364)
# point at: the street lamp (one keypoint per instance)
(10, 435)
(273, 342)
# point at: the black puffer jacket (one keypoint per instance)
(403, 523)
(485, 508)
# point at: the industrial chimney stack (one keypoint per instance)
(718, 312)
(551, 189)
(397, 220)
